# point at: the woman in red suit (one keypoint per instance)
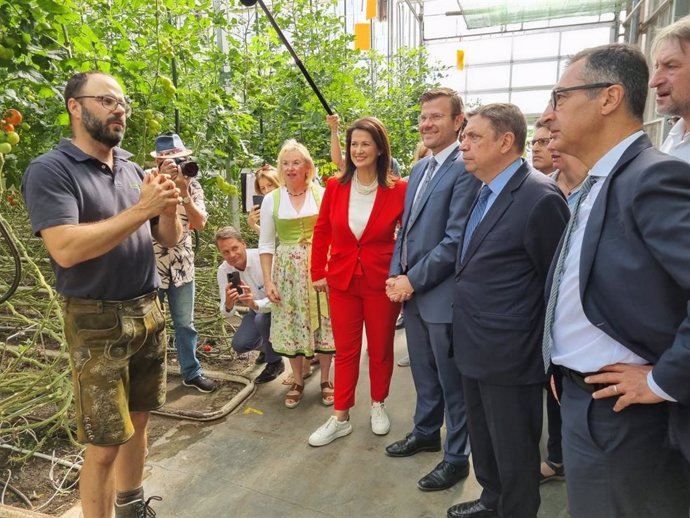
(351, 254)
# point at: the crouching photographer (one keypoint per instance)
(241, 282)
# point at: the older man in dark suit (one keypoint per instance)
(437, 203)
(617, 322)
(498, 311)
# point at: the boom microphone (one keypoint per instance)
(298, 62)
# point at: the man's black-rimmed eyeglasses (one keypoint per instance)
(109, 103)
(555, 93)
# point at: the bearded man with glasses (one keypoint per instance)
(96, 212)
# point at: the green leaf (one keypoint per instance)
(46, 92)
(62, 119)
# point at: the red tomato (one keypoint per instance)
(13, 116)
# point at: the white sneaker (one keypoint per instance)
(380, 424)
(404, 361)
(330, 431)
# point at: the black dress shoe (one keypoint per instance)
(270, 372)
(473, 509)
(411, 445)
(261, 358)
(443, 476)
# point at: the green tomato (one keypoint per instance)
(5, 148)
(13, 138)
(9, 41)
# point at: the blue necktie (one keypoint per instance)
(475, 218)
(547, 341)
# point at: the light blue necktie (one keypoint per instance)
(547, 341)
(475, 218)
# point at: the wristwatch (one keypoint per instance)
(186, 200)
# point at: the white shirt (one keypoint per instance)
(577, 343)
(252, 276)
(677, 143)
(359, 209)
(267, 236)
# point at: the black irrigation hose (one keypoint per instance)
(17, 262)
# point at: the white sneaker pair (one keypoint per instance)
(334, 429)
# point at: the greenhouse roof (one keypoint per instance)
(492, 13)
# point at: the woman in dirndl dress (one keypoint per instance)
(300, 319)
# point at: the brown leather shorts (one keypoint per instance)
(117, 353)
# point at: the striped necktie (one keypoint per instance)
(547, 341)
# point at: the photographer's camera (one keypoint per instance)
(189, 168)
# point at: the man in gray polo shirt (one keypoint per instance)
(96, 212)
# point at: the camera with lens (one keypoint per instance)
(189, 168)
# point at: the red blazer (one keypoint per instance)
(336, 253)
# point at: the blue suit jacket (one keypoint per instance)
(635, 269)
(498, 305)
(433, 236)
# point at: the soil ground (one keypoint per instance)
(52, 489)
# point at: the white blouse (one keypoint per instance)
(360, 210)
(267, 236)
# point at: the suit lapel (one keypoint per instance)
(450, 160)
(412, 184)
(595, 222)
(504, 200)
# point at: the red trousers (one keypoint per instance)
(362, 305)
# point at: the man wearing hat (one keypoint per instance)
(176, 265)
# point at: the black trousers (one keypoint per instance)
(505, 427)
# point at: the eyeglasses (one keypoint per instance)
(109, 103)
(434, 117)
(556, 96)
(541, 141)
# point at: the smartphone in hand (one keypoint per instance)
(234, 280)
(257, 199)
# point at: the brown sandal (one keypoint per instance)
(290, 378)
(294, 395)
(327, 393)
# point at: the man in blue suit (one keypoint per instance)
(498, 311)
(437, 203)
(618, 320)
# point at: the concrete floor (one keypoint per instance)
(256, 463)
